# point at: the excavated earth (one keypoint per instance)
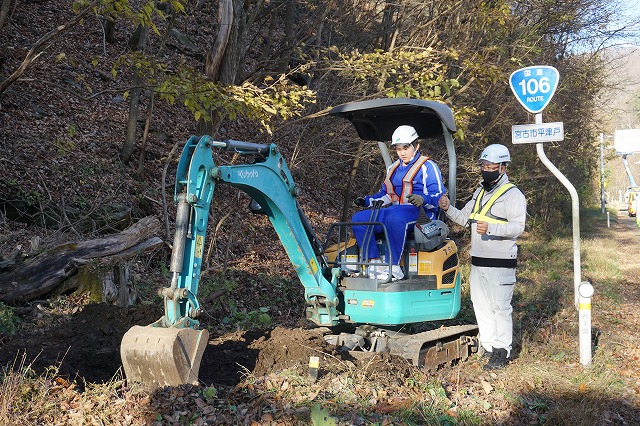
(85, 345)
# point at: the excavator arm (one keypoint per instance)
(168, 352)
(268, 181)
(625, 162)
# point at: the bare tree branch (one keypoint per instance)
(40, 45)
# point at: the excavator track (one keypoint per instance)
(429, 350)
(437, 348)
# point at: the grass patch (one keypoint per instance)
(28, 398)
(600, 259)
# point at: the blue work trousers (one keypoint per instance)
(396, 218)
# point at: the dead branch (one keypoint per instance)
(42, 44)
(38, 276)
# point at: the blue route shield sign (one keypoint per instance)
(534, 86)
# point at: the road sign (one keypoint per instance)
(534, 86)
(533, 133)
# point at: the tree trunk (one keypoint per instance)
(110, 29)
(109, 283)
(389, 26)
(4, 12)
(350, 183)
(116, 285)
(221, 59)
(38, 276)
(147, 123)
(132, 124)
(137, 42)
(214, 56)
(236, 47)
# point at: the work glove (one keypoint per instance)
(385, 200)
(360, 202)
(415, 199)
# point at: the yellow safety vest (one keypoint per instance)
(407, 180)
(481, 212)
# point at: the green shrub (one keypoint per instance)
(8, 320)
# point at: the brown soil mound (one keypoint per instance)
(86, 345)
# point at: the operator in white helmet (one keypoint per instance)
(412, 183)
(497, 213)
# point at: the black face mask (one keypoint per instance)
(489, 179)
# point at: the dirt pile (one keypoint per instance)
(85, 345)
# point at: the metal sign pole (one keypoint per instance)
(602, 172)
(575, 212)
(582, 303)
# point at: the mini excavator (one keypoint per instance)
(376, 314)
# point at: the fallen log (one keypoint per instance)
(39, 276)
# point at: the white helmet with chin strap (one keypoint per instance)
(496, 153)
(404, 135)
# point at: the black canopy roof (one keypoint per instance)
(377, 119)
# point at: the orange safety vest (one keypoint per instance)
(407, 180)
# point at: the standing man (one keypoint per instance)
(497, 213)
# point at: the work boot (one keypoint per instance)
(484, 354)
(498, 359)
(376, 269)
(396, 273)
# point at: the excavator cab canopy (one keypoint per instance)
(376, 120)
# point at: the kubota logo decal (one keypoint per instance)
(247, 174)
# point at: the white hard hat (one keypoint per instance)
(404, 135)
(495, 153)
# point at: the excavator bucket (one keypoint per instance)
(154, 357)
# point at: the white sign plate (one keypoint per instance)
(533, 133)
(627, 141)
